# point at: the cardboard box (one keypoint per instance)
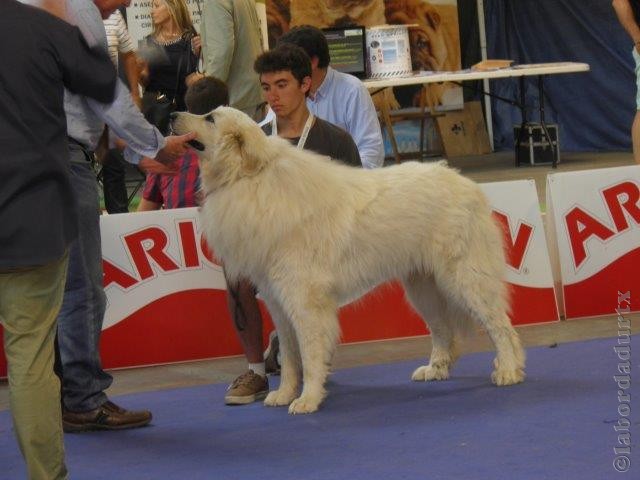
(464, 132)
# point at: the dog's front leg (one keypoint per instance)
(291, 368)
(317, 331)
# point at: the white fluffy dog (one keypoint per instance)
(314, 235)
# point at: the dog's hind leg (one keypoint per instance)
(423, 294)
(481, 293)
(291, 368)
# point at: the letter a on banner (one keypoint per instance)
(595, 215)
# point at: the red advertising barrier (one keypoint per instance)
(596, 218)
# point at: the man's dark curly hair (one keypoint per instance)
(312, 40)
(287, 58)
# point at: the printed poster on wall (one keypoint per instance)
(434, 35)
(139, 21)
(140, 25)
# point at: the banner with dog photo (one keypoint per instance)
(434, 39)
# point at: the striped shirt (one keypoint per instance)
(117, 36)
(175, 191)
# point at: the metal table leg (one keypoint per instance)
(523, 123)
(545, 130)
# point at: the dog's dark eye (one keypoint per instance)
(209, 118)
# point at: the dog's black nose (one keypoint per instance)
(173, 115)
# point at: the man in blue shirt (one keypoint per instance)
(338, 97)
(85, 405)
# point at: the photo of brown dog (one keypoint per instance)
(434, 39)
(433, 34)
(335, 13)
(278, 19)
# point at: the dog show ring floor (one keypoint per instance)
(378, 424)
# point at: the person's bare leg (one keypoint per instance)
(247, 320)
(252, 385)
(635, 137)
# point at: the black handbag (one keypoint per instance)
(157, 108)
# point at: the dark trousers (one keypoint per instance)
(84, 302)
(113, 182)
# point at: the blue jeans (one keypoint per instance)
(80, 318)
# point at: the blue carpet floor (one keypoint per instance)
(377, 424)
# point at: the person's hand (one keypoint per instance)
(120, 144)
(193, 78)
(196, 45)
(177, 145)
(149, 165)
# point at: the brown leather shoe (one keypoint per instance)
(108, 416)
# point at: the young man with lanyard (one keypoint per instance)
(285, 77)
(337, 97)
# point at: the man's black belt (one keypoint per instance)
(89, 155)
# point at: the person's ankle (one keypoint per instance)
(258, 368)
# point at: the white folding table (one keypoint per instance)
(516, 71)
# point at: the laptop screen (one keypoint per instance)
(347, 49)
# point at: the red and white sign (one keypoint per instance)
(596, 216)
(166, 291)
(516, 207)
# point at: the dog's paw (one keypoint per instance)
(279, 398)
(303, 404)
(502, 378)
(428, 373)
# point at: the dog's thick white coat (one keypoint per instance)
(314, 235)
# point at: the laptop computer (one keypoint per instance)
(347, 49)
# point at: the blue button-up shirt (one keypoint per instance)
(86, 118)
(343, 100)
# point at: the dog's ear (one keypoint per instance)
(250, 154)
(433, 18)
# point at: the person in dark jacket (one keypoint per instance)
(37, 212)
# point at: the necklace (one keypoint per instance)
(165, 40)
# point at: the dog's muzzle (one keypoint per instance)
(194, 143)
(197, 145)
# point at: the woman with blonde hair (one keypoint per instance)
(170, 56)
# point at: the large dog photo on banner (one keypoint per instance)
(314, 235)
(434, 35)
